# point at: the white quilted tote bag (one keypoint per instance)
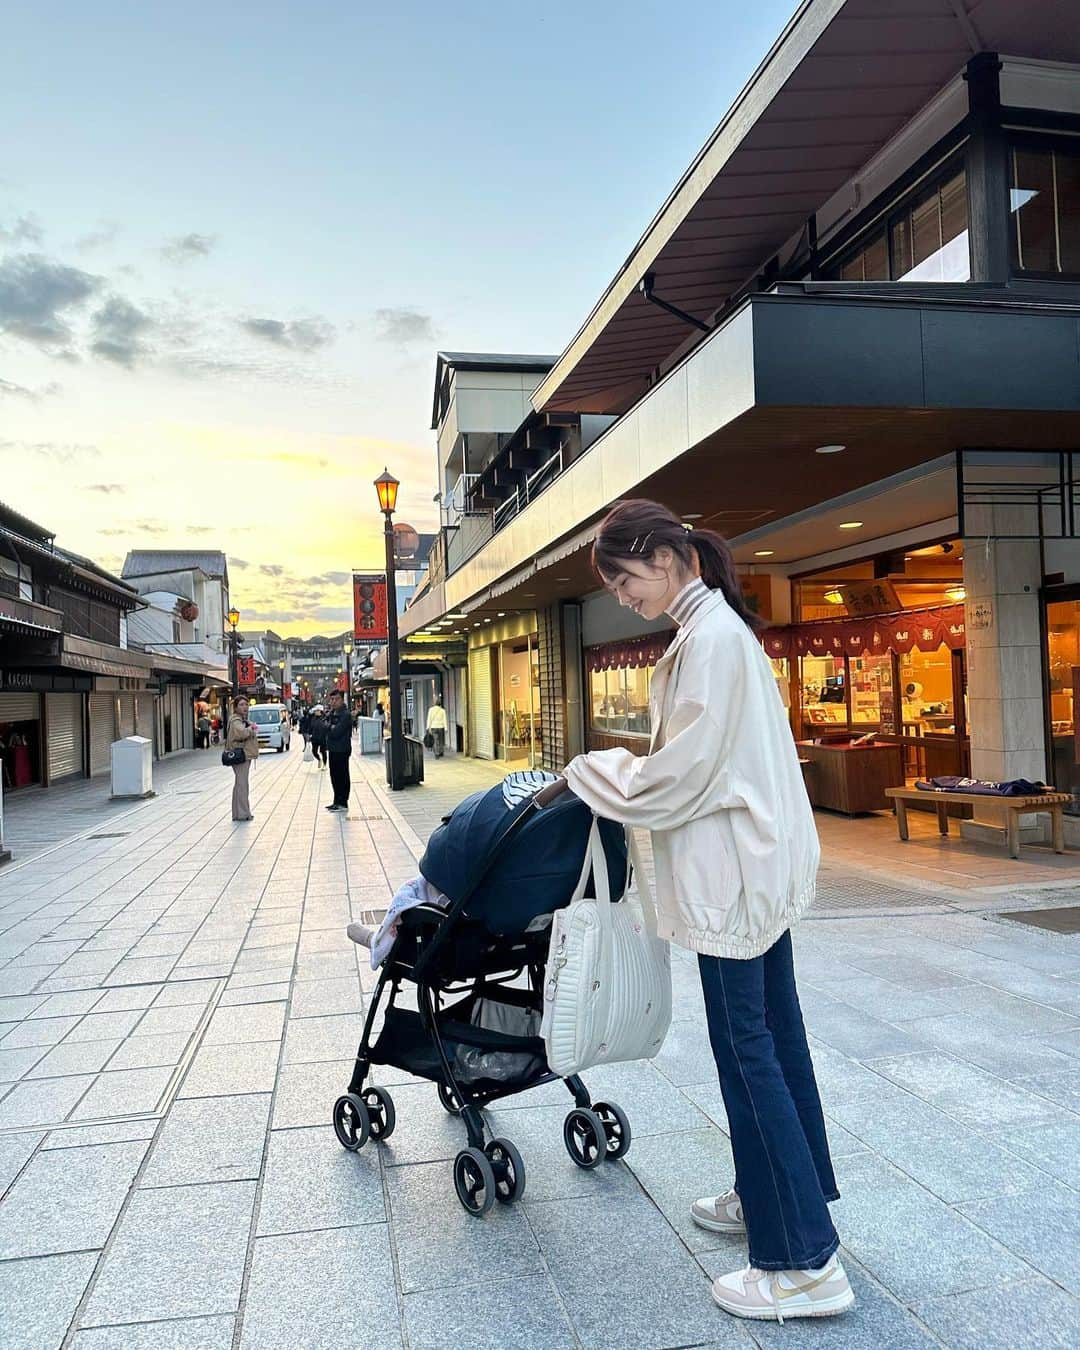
(607, 995)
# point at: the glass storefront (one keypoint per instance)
(518, 720)
(1063, 688)
(619, 700)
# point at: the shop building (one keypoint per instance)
(848, 338)
(200, 576)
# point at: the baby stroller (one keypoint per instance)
(478, 971)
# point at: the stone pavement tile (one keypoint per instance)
(309, 1039)
(424, 1131)
(622, 1275)
(256, 1022)
(946, 1157)
(168, 1021)
(320, 998)
(322, 1291)
(46, 1031)
(45, 1102)
(253, 979)
(126, 1092)
(675, 1170)
(1053, 1147)
(328, 965)
(128, 997)
(15, 982)
(15, 1149)
(882, 999)
(97, 1026)
(1042, 1226)
(1032, 1315)
(970, 1094)
(177, 1252)
(522, 1314)
(1067, 1042)
(67, 1005)
(256, 993)
(147, 1052)
(995, 1009)
(80, 1136)
(645, 1095)
(549, 1170)
(877, 1321)
(44, 1213)
(312, 1182)
(14, 1064)
(1062, 1086)
(306, 1092)
(137, 970)
(39, 1298)
(686, 1056)
(74, 1057)
(909, 1240)
(186, 991)
(438, 1243)
(1007, 1055)
(209, 1139)
(858, 1034)
(186, 1333)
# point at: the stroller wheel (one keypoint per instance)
(585, 1137)
(448, 1101)
(509, 1169)
(380, 1106)
(474, 1180)
(616, 1128)
(352, 1123)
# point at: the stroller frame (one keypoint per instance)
(486, 1170)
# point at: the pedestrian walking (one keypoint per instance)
(317, 732)
(339, 730)
(436, 726)
(736, 854)
(305, 726)
(242, 734)
(202, 732)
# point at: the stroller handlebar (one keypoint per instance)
(548, 794)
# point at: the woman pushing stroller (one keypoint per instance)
(736, 855)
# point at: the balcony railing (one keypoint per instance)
(41, 618)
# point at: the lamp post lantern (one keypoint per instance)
(347, 649)
(386, 485)
(234, 618)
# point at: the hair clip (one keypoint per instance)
(644, 543)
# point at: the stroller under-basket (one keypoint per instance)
(478, 972)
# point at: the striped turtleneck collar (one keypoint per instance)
(689, 600)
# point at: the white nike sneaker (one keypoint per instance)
(719, 1214)
(775, 1295)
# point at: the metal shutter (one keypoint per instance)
(481, 725)
(102, 730)
(181, 716)
(127, 715)
(19, 708)
(64, 728)
(144, 716)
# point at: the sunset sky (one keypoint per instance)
(232, 238)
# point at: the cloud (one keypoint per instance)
(136, 527)
(36, 297)
(299, 335)
(241, 563)
(402, 326)
(271, 569)
(332, 579)
(332, 614)
(185, 248)
(106, 488)
(21, 391)
(58, 452)
(201, 529)
(101, 237)
(118, 328)
(23, 230)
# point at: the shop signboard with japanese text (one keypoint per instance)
(245, 671)
(369, 607)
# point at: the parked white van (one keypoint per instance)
(271, 721)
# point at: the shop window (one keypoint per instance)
(1063, 684)
(619, 700)
(823, 682)
(872, 692)
(871, 263)
(1044, 198)
(926, 691)
(15, 580)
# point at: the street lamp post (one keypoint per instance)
(281, 679)
(234, 618)
(386, 485)
(347, 649)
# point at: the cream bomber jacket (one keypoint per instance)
(734, 841)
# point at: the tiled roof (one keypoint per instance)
(147, 562)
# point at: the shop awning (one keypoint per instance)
(925, 630)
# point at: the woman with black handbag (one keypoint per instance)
(241, 747)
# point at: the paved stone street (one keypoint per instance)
(179, 1007)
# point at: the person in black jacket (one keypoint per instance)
(339, 730)
(317, 729)
(305, 726)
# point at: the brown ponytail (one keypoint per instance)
(637, 528)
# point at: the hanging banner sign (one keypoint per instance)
(369, 607)
(245, 671)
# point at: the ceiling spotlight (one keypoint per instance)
(764, 553)
(501, 614)
(851, 525)
(457, 614)
(829, 449)
(833, 598)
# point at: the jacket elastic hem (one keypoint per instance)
(708, 942)
(812, 1263)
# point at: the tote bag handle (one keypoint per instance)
(595, 865)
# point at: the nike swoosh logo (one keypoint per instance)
(804, 1288)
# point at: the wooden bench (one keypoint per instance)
(1013, 807)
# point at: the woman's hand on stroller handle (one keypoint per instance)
(548, 794)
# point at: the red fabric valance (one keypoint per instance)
(926, 629)
(632, 654)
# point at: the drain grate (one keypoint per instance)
(1065, 920)
(121, 834)
(848, 893)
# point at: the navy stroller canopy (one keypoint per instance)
(536, 871)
